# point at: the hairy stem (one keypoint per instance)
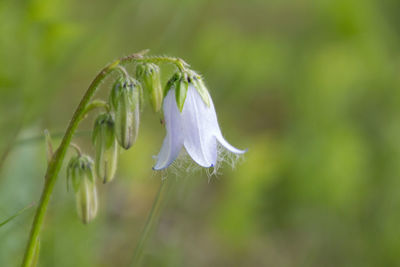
(57, 159)
(76, 148)
(179, 63)
(96, 104)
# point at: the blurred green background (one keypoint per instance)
(311, 88)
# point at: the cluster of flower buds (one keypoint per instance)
(190, 121)
(117, 127)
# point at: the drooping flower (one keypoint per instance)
(195, 128)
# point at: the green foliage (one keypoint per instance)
(310, 87)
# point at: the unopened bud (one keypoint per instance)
(149, 75)
(106, 147)
(125, 100)
(80, 172)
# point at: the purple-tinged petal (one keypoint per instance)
(173, 141)
(199, 129)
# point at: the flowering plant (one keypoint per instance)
(190, 122)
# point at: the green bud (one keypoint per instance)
(106, 147)
(149, 75)
(125, 101)
(80, 172)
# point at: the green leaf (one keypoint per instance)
(49, 145)
(15, 215)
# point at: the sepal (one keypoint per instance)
(197, 81)
(181, 91)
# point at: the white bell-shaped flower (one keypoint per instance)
(195, 128)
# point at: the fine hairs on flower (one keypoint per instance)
(193, 139)
(184, 166)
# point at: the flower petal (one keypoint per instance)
(228, 146)
(199, 129)
(217, 131)
(173, 141)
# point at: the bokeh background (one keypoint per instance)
(311, 88)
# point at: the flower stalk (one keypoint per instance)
(151, 218)
(56, 161)
(170, 147)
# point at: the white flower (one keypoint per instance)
(195, 128)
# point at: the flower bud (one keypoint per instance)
(80, 173)
(106, 147)
(149, 75)
(125, 100)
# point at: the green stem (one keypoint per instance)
(149, 224)
(96, 104)
(179, 63)
(123, 72)
(76, 148)
(55, 163)
(57, 159)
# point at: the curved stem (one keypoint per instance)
(76, 148)
(149, 224)
(179, 63)
(57, 159)
(95, 104)
(123, 71)
(55, 163)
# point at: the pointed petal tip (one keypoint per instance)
(155, 168)
(159, 167)
(229, 147)
(243, 151)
